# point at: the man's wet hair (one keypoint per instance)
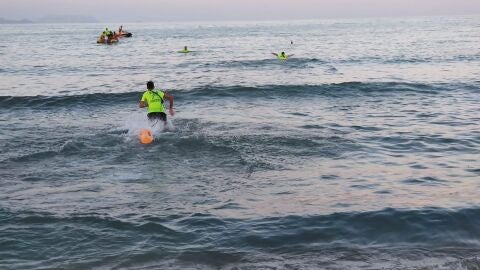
(150, 85)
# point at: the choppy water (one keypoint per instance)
(360, 152)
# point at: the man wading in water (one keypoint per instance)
(153, 99)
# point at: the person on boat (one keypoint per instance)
(153, 99)
(107, 32)
(122, 33)
(101, 39)
(107, 39)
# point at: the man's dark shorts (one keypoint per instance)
(155, 116)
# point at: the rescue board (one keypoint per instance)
(145, 136)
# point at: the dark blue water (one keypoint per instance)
(359, 152)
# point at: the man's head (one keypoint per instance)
(150, 85)
(283, 53)
(185, 48)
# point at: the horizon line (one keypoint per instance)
(36, 21)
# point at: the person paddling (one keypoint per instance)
(185, 50)
(153, 99)
(282, 56)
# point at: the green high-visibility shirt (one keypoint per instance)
(154, 99)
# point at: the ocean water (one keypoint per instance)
(359, 152)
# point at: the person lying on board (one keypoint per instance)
(282, 55)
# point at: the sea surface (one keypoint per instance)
(362, 151)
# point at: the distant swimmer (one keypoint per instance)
(282, 56)
(185, 50)
(153, 99)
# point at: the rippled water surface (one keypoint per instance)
(359, 152)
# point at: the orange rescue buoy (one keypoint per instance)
(145, 136)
